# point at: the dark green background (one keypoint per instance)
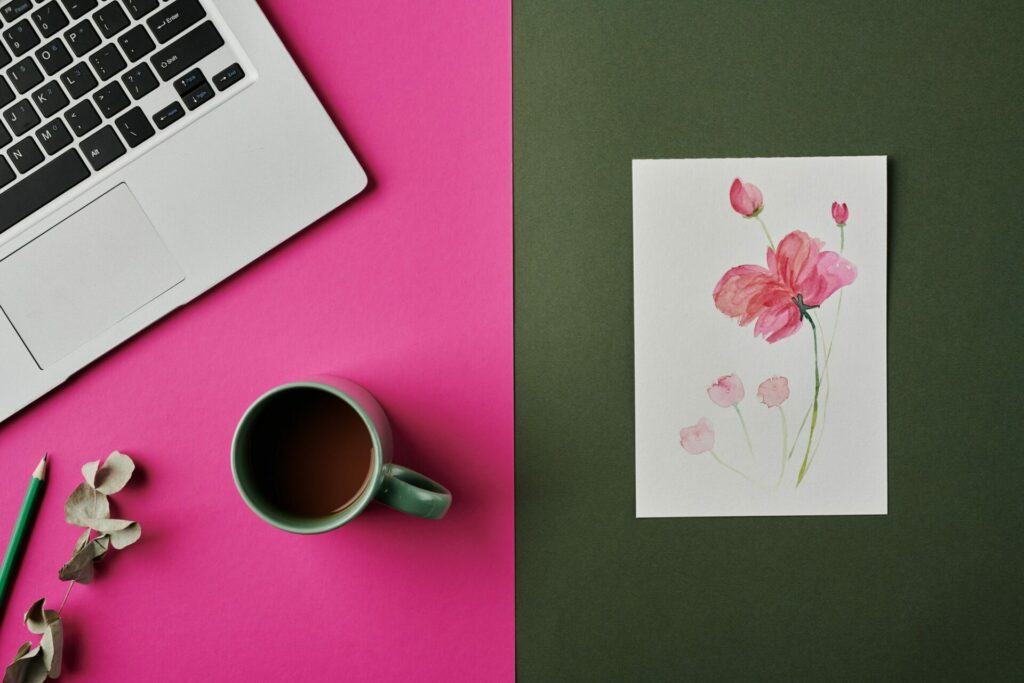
(931, 591)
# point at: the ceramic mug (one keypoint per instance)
(393, 485)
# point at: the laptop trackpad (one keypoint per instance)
(85, 274)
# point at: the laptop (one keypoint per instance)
(148, 150)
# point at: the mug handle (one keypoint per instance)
(412, 493)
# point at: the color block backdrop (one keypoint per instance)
(929, 592)
(407, 291)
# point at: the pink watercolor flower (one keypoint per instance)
(773, 391)
(700, 438)
(745, 198)
(727, 391)
(798, 271)
(840, 213)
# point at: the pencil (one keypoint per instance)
(19, 537)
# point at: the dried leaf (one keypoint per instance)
(35, 620)
(89, 470)
(127, 536)
(80, 567)
(115, 473)
(86, 503)
(106, 526)
(82, 540)
(52, 644)
(28, 667)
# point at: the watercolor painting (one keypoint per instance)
(787, 309)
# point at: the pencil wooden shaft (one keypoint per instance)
(18, 539)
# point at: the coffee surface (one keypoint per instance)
(311, 454)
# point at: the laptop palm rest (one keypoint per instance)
(85, 274)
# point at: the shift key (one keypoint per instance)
(187, 50)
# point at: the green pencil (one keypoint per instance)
(19, 537)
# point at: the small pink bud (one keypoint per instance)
(745, 198)
(840, 213)
(773, 391)
(700, 438)
(727, 391)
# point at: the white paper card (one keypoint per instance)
(760, 309)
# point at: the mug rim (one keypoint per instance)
(312, 525)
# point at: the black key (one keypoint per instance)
(25, 75)
(111, 19)
(111, 99)
(140, 81)
(42, 187)
(102, 147)
(77, 8)
(188, 82)
(6, 172)
(5, 56)
(21, 37)
(25, 155)
(50, 99)
(168, 115)
(15, 9)
(21, 117)
(6, 94)
(54, 136)
(108, 62)
(78, 80)
(54, 56)
(186, 51)
(200, 96)
(228, 77)
(135, 127)
(140, 8)
(82, 117)
(136, 43)
(50, 18)
(82, 37)
(5, 137)
(175, 18)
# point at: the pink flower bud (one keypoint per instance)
(745, 198)
(773, 391)
(727, 391)
(840, 213)
(700, 438)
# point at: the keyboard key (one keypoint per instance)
(140, 8)
(78, 80)
(54, 136)
(77, 8)
(188, 82)
(228, 77)
(168, 115)
(200, 96)
(15, 9)
(186, 51)
(6, 172)
(25, 75)
(136, 43)
(50, 18)
(25, 155)
(53, 56)
(108, 62)
(6, 94)
(111, 19)
(135, 127)
(5, 56)
(21, 37)
(111, 99)
(140, 81)
(50, 99)
(5, 137)
(82, 38)
(39, 189)
(102, 147)
(82, 117)
(21, 118)
(175, 18)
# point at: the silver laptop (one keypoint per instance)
(148, 150)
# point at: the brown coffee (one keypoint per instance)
(310, 453)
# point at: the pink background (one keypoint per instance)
(408, 291)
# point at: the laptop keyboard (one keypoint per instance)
(82, 87)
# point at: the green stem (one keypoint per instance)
(814, 405)
(785, 446)
(730, 467)
(743, 423)
(766, 234)
(842, 238)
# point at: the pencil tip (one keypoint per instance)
(40, 472)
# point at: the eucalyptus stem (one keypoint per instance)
(65, 600)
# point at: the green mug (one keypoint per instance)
(393, 485)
